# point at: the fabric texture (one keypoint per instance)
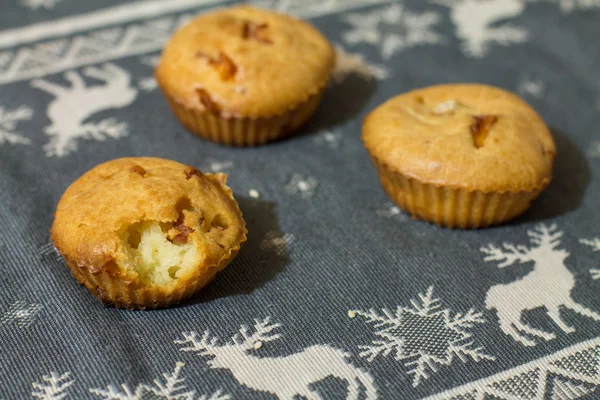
(337, 293)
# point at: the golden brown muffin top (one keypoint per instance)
(464, 136)
(245, 62)
(97, 216)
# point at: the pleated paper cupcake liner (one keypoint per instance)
(244, 131)
(124, 293)
(452, 207)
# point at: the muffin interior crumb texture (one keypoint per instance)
(154, 257)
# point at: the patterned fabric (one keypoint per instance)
(337, 293)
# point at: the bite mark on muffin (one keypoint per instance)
(137, 169)
(252, 30)
(481, 127)
(208, 102)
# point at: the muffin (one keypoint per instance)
(244, 76)
(147, 232)
(461, 156)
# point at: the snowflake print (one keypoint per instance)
(423, 336)
(391, 211)
(347, 64)
(171, 388)
(277, 243)
(332, 139)
(8, 123)
(393, 28)
(21, 314)
(594, 151)
(35, 4)
(594, 244)
(52, 387)
(300, 185)
(217, 166)
(531, 87)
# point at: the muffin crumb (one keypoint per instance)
(446, 107)
(254, 193)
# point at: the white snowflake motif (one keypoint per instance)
(423, 336)
(35, 4)
(21, 314)
(391, 211)
(217, 166)
(332, 139)
(347, 64)
(8, 124)
(53, 386)
(173, 388)
(595, 245)
(393, 28)
(531, 87)
(148, 83)
(477, 23)
(305, 186)
(594, 150)
(276, 242)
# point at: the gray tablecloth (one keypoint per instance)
(342, 295)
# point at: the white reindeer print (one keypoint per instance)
(549, 285)
(74, 104)
(474, 20)
(286, 377)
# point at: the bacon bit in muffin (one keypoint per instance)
(481, 128)
(223, 64)
(208, 102)
(178, 234)
(138, 170)
(252, 30)
(191, 171)
(226, 67)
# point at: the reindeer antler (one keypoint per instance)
(509, 255)
(261, 334)
(202, 345)
(543, 235)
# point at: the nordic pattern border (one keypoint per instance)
(154, 23)
(544, 363)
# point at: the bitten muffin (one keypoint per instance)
(244, 76)
(463, 155)
(147, 232)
